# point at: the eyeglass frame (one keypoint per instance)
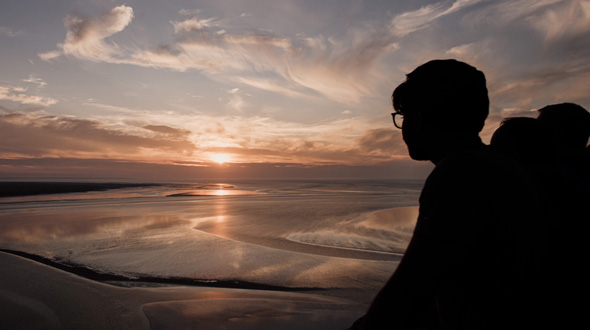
(393, 114)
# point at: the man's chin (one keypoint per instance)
(418, 154)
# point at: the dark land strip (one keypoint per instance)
(13, 189)
(120, 280)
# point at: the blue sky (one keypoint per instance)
(268, 84)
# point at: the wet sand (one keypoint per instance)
(38, 296)
(288, 256)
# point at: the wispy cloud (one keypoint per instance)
(193, 24)
(507, 12)
(18, 95)
(411, 21)
(568, 20)
(189, 12)
(552, 19)
(344, 68)
(85, 37)
(337, 68)
(50, 55)
(565, 82)
(35, 80)
(279, 86)
(8, 32)
(382, 142)
(236, 100)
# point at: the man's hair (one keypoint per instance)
(448, 92)
(569, 121)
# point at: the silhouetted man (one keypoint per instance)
(528, 140)
(569, 196)
(476, 247)
(571, 125)
(551, 148)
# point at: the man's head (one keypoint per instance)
(570, 123)
(441, 100)
(526, 139)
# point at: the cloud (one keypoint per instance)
(8, 32)
(411, 21)
(48, 56)
(16, 94)
(189, 12)
(342, 69)
(29, 135)
(212, 50)
(279, 86)
(85, 37)
(168, 132)
(342, 141)
(258, 138)
(506, 12)
(568, 20)
(553, 20)
(533, 52)
(345, 67)
(236, 100)
(110, 169)
(35, 80)
(382, 144)
(554, 83)
(191, 25)
(255, 139)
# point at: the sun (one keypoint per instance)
(220, 158)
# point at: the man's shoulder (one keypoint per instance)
(480, 171)
(461, 164)
(481, 161)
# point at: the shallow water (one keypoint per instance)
(321, 234)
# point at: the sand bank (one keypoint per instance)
(37, 296)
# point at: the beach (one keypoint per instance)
(208, 256)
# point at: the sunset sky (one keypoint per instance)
(187, 90)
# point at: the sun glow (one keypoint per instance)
(220, 158)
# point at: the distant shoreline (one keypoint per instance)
(15, 189)
(119, 280)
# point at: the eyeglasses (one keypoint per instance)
(397, 121)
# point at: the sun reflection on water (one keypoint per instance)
(221, 192)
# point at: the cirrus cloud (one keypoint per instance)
(337, 68)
